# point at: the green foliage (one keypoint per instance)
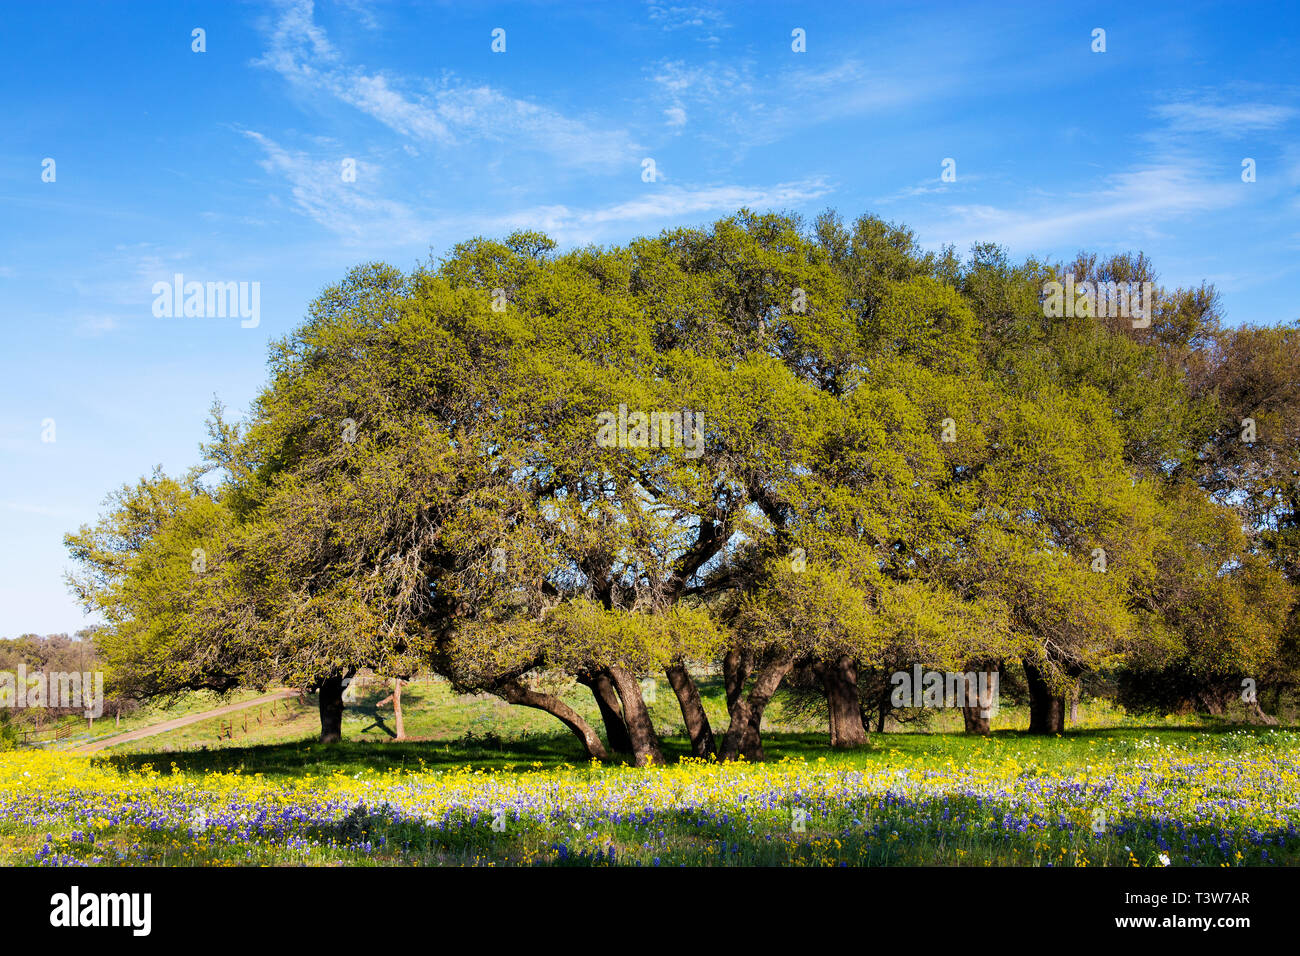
(895, 455)
(144, 569)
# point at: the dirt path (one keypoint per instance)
(179, 722)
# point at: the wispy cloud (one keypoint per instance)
(347, 209)
(717, 88)
(1214, 116)
(706, 20)
(362, 11)
(354, 212)
(1126, 206)
(665, 204)
(737, 104)
(448, 111)
(96, 325)
(928, 187)
(1172, 181)
(43, 511)
(114, 288)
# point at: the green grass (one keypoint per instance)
(1203, 793)
(291, 759)
(144, 715)
(477, 724)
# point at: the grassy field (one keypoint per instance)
(431, 712)
(468, 724)
(155, 712)
(1117, 796)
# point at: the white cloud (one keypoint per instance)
(926, 187)
(97, 324)
(1173, 184)
(1226, 119)
(115, 286)
(350, 210)
(688, 17)
(740, 107)
(365, 16)
(1125, 206)
(659, 206)
(448, 112)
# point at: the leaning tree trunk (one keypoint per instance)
(693, 715)
(977, 712)
(611, 710)
(331, 709)
(840, 680)
(1046, 709)
(743, 736)
(1258, 713)
(518, 693)
(645, 743)
(397, 708)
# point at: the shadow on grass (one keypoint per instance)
(536, 751)
(350, 756)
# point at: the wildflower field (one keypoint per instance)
(1094, 798)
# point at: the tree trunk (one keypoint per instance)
(976, 719)
(397, 708)
(645, 743)
(611, 710)
(736, 668)
(840, 679)
(331, 709)
(517, 693)
(1212, 703)
(693, 715)
(1046, 710)
(978, 712)
(743, 736)
(1258, 713)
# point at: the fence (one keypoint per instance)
(47, 735)
(226, 728)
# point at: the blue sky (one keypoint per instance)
(226, 165)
